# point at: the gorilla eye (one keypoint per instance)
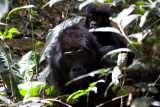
(90, 16)
(68, 54)
(80, 52)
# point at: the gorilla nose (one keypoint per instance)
(93, 24)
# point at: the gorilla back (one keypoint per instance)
(98, 16)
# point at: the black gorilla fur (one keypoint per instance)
(98, 16)
(75, 54)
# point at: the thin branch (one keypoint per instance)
(33, 41)
(112, 100)
(121, 29)
(60, 102)
(67, 12)
(10, 75)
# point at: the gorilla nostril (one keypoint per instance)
(93, 24)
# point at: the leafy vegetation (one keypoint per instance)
(24, 76)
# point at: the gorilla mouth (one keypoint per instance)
(91, 27)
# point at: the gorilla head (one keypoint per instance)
(97, 16)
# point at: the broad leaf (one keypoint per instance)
(125, 90)
(115, 74)
(137, 66)
(53, 34)
(13, 30)
(16, 79)
(43, 75)
(19, 8)
(50, 3)
(105, 29)
(156, 103)
(3, 7)
(5, 99)
(116, 51)
(26, 63)
(4, 69)
(91, 74)
(127, 20)
(141, 102)
(124, 13)
(3, 60)
(143, 18)
(85, 3)
(31, 87)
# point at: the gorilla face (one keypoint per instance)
(95, 21)
(97, 16)
(77, 62)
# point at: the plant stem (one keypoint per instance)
(33, 41)
(10, 75)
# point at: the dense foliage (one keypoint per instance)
(24, 50)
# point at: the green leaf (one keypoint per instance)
(85, 3)
(1, 34)
(115, 75)
(16, 79)
(149, 87)
(113, 54)
(51, 91)
(50, 3)
(26, 64)
(124, 14)
(5, 99)
(13, 30)
(91, 74)
(128, 19)
(141, 9)
(3, 60)
(91, 85)
(53, 34)
(19, 8)
(116, 51)
(9, 35)
(156, 103)
(137, 66)
(43, 75)
(121, 62)
(125, 90)
(33, 88)
(4, 69)
(2, 24)
(141, 102)
(143, 18)
(38, 43)
(76, 95)
(141, 3)
(3, 7)
(105, 29)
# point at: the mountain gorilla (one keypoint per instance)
(75, 54)
(98, 16)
